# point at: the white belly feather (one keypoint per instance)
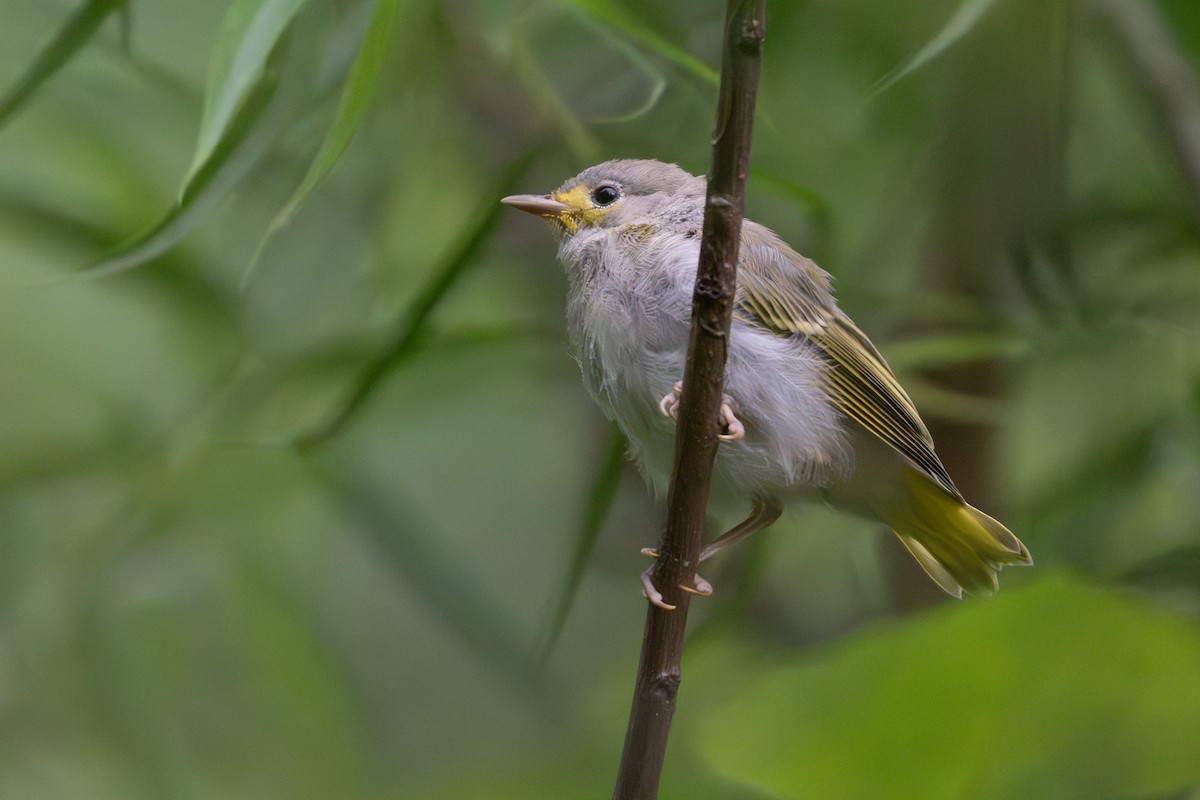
(629, 328)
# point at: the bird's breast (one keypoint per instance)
(628, 310)
(628, 315)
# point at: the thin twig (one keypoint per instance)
(1165, 76)
(703, 382)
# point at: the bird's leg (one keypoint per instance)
(763, 513)
(732, 428)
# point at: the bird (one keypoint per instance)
(811, 409)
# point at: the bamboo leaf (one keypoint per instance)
(958, 26)
(245, 141)
(611, 14)
(542, 90)
(73, 35)
(356, 96)
(249, 35)
(658, 82)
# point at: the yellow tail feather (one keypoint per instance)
(960, 547)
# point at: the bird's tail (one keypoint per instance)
(960, 547)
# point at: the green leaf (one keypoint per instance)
(959, 25)
(542, 89)
(249, 35)
(73, 35)
(613, 15)
(1060, 690)
(356, 96)
(658, 82)
(255, 126)
(352, 107)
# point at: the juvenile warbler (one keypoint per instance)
(811, 407)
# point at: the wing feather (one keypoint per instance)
(784, 292)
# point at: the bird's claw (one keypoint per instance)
(699, 586)
(651, 592)
(669, 405)
(732, 428)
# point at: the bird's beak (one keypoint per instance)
(541, 204)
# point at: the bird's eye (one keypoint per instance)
(605, 195)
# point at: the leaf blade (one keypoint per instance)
(958, 26)
(253, 129)
(610, 14)
(70, 38)
(357, 92)
(249, 35)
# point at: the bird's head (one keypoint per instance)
(613, 194)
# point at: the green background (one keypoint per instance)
(301, 496)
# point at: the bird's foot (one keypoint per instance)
(651, 592)
(669, 405)
(698, 586)
(732, 428)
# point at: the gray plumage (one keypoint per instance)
(818, 407)
(629, 331)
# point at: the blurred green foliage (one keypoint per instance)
(298, 485)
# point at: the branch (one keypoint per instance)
(1165, 75)
(703, 383)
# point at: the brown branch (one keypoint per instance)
(1165, 76)
(703, 383)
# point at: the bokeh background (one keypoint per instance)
(300, 494)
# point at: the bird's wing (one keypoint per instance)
(784, 292)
